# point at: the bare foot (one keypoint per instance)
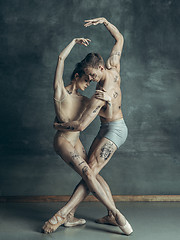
(52, 224)
(123, 223)
(72, 222)
(110, 220)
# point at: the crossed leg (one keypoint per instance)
(70, 156)
(71, 221)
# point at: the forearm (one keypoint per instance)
(113, 30)
(63, 55)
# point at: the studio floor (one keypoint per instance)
(150, 221)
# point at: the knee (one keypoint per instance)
(94, 164)
(88, 173)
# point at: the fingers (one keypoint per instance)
(83, 41)
(94, 21)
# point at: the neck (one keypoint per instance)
(72, 88)
(104, 76)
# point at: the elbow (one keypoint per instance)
(120, 38)
(61, 58)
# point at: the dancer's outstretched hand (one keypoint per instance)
(83, 41)
(95, 21)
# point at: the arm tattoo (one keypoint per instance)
(116, 78)
(84, 169)
(81, 163)
(106, 150)
(117, 53)
(95, 110)
(70, 128)
(75, 156)
(115, 94)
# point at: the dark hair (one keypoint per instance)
(78, 69)
(91, 60)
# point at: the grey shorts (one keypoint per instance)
(115, 131)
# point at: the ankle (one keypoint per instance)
(110, 213)
(62, 214)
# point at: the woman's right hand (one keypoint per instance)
(83, 41)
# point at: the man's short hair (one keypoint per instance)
(92, 60)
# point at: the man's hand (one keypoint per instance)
(95, 21)
(103, 95)
(83, 41)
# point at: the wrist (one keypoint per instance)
(106, 22)
(109, 102)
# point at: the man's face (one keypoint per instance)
(93, 74)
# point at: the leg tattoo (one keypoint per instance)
(106, 150)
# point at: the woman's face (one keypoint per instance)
(83, 82)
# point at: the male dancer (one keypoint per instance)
(113, 131)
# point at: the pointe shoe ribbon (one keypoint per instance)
(57, 219)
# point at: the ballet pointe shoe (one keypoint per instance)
(127, 229)
(52, 224)
(109, 220)
(74, 222)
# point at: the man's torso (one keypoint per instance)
(112, 86)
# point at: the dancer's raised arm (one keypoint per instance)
(114, 59)
(59, 88)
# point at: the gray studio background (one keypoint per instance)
(33, 32)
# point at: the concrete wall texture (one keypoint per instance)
(33, 32)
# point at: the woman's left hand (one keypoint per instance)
(83, 41)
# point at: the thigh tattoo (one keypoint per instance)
(106, 150)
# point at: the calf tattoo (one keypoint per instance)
(106, 150)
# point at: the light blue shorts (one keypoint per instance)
(115, 131)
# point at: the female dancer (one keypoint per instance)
(69, 106)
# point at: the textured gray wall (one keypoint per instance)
(32, 35)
